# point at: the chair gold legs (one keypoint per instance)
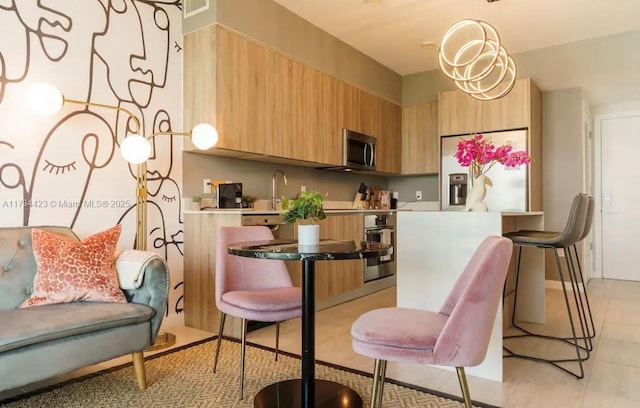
(138, 366)
(223, 317)
(243, 341)
(379, 372)
(462, 378)
(277, 338)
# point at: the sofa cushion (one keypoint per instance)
(17, 263)
(32, 325)
(69, 271)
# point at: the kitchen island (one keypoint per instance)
(433, 248)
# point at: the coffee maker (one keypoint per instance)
(457, 188)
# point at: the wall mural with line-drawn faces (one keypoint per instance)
(66, 169)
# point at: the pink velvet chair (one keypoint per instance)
(458, 335)
(252, 289)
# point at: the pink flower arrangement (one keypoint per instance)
(481, 155)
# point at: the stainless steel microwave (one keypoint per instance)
(358, 151)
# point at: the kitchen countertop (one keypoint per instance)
(252, 211)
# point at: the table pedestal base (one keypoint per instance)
(287, 394)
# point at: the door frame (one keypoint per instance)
(597, 222)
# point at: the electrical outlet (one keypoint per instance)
(303, 189)
(206, 186)
(418, 195)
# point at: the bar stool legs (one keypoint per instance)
(582, 352)
(591, 331)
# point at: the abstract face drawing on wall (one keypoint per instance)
(116, 52)
(141, 59)
(62, 33)
(52, 43)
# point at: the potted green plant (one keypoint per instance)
(196, 200)
(306, 211)
(247, 201)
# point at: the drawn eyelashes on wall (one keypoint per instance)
(168, 199)
(57, 168)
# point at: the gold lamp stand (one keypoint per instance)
(47, 99)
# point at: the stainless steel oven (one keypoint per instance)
(380, 228)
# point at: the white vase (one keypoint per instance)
(308, 234)
(477, 193)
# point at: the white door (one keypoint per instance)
(620, 197)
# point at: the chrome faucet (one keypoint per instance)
(273, 187)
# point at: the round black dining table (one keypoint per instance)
(308, 392)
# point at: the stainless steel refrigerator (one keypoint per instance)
(509, 191)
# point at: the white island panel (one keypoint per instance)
(433, 249)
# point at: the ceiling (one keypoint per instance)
(392, 31)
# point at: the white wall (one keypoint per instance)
(562, 150)
(125, 53)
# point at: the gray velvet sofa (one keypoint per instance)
(40, 342)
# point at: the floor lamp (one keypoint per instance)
(135, 149)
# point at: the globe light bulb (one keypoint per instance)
(204, 136)
(135, 149)
(45, 98)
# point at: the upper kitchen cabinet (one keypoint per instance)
(420, 139)
(458, 113)
(389, 143)
(285, 92)
(512, 111)
(383, 120)
(302, 112)
(225, 84)
(461, 114)
(370, 113)
(269, 107)
(348, 103)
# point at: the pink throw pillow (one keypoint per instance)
(70, 271)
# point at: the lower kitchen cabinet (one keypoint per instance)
(336, 282)
(200, 232)
(335, 278)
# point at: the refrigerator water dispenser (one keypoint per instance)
(457, 189)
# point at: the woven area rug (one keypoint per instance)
(184, 378)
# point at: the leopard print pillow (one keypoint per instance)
(70, 271)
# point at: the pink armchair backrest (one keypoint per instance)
(472, 305)
(240, 273)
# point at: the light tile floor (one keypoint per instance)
(612, 374)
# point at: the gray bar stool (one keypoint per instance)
(584, 305)
(573, 232)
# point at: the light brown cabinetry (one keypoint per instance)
(348, 103)
(336, 281)
(303, 116)
(512, 111)
(336, 277)
(270, 105)
(229, 92)
(389, 146)
(383, 120)
(199, 270)
(459, 114)
(420, 139)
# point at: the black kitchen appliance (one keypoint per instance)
(230, 195)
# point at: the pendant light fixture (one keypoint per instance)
(472, 55)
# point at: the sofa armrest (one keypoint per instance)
(153, 292)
